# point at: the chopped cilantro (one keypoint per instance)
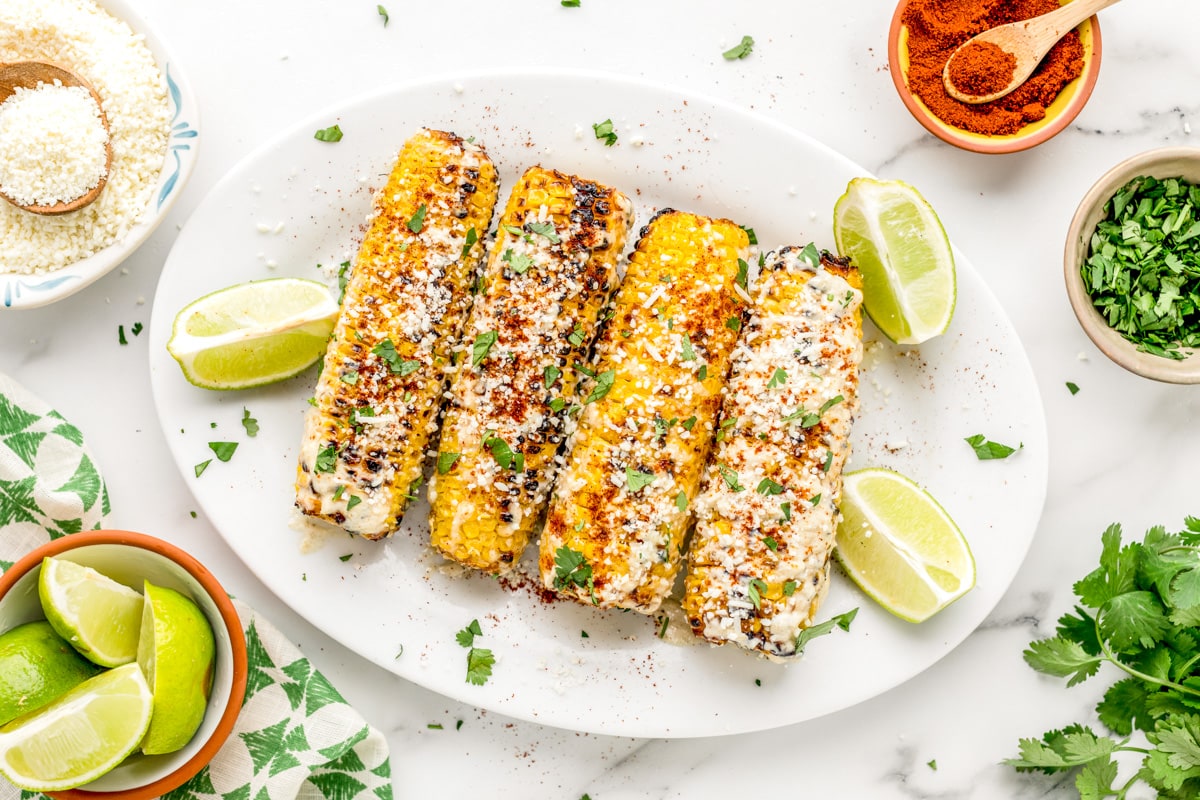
(479, 665)
(786, 510)
(769, 487)
(604, 384)
(779, 378)
(203, 465)
(483, 344)
(472, 238)
(326, 459)
(435, 726)
(636, 480)
(505, 456)
(445, 461)
(1072, 388)
(815, 499)
(249, 423)
(517, 262)
(986, 450)
(330, 134)
(135, 328)
(681, 502)
(569, 3)
(822, 628)
(223, 450)
(750, 234)
(557, 404)
(789, 588)
(466, 637)
(383, 13)
(576, 335)
(743, 274)
(771, 544)
(688, 423)
(571, 569)
(739, 50)
(417, 221)
(545, 230)
(604, 131)
(353, 501)
(550, 375)
(828, 462)
(387, 351)
(343, 278)
(338, 492)
(755, 590)
(121, 335)
(702, 373)
(812, 255)
(350, 377)
(346, 557)
(730, 477)
(689, 354)
(734, 323)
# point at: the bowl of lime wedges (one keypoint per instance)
(122, 667)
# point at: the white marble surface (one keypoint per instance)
(1119, 449)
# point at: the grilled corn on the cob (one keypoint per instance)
(376, 402)
(621, 508)
(767, 513)
(551, 269)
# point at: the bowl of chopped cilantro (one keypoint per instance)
(1132, 264)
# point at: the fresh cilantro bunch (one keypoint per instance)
(1140, 611)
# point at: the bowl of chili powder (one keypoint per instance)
(925, 33)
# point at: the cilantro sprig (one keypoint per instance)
(1139, 611)
(479, 660)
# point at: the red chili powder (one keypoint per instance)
(936, 28)
(982, 68)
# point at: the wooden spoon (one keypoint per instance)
(1028, 41)
(27, 75)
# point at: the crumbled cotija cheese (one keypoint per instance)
(81, 36)
(52, 144)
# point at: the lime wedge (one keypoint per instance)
(81, 735)
(98, 616)
(253, 333)
(893, 235)
(37, 666)
(176, 654)
(900, 546)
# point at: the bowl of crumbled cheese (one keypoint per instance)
(152, 123)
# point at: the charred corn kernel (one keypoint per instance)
(767, 512)
(614, 532)
(550, 270)
(377, 399)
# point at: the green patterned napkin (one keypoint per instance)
(295, 738)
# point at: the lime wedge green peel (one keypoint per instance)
(253, 333)
(897, 241)
(98, 616)
(176, 654)
(900, 546)
(37, 666)
(80, 736)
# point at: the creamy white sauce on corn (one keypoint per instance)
(767, 514)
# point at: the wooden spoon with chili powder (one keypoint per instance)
(990, 65)
(27, 75)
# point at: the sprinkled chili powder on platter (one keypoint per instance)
(936, 28)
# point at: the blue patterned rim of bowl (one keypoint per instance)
(29, 291)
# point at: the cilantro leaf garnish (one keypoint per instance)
(466, 637)
(571, 569)
(472, 238)
(383, 13)
(1072, 388)
(822, 628)
(479, 665)
(576, 336)
(570, 3)
(343, 278)
(446, 461)
(739, 50)
(755, 590)
(249, 423)
(331, 134)
(517, 262)
(730, 477)
(481, 347)
(986, 450)
(778, 378)
(750, 234)
(545, 230)
(604, 384)
(505, 456)
(326, 459)
(743, 274)
(417, 221)
(769, 487)
(636, 480)
(203, 465)
(688, 423)
(353, 501)
(681, 502)
(604, 131)
(386, 350)
(223, 450)
(688, 353)
(549, 375)
(786, 510)
(812, 255)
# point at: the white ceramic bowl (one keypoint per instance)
(30, 291)
(130, 558)
(1166, 162)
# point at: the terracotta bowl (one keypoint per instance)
(1059, 115)
(1167, 162)
(129, 558)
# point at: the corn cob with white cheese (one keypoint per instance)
(407, 296)
(614, 533)
(767, 513)
(551, 269)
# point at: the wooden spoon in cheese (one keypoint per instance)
(28, 75)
